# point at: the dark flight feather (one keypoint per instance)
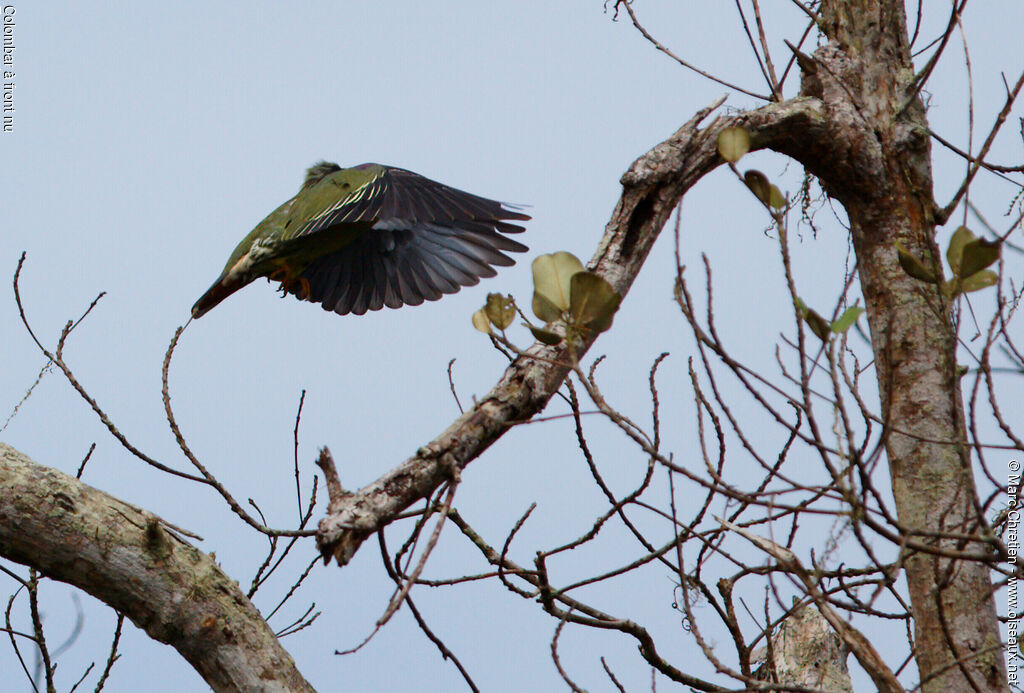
(426, 240)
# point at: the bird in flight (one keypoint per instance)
(361, 238)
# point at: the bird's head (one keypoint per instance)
(318, 171)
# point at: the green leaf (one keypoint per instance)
(979, 280)
(914, 267)
(545, 336)
(592, 302)
(733, 143)
(954, 252)
(759, 185)
(775, 198)
(977, 255)
(846, 320)
(819, 325)
(501, 310)
(481, 322)
(551, 275)
(545, 309)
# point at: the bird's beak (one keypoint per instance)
(227, 284)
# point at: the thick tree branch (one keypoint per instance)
(126, 558)
(652, 187)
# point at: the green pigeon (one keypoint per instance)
(361, 238)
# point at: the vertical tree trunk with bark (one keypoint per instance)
(879, 167)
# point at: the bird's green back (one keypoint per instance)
(321, 195)
(325, 187)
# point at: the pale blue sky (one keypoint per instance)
(149, 138)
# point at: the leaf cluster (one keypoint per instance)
(968, 257)
(569, 299)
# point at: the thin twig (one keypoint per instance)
(943, 214)
(113, 656)
(687, 65)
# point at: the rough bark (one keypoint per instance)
(879, 167)
(807, 652)
(125, 557)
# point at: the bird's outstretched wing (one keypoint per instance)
(425, 239)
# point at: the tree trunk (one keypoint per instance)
(879, 167)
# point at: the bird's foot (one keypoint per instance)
(302, 291)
